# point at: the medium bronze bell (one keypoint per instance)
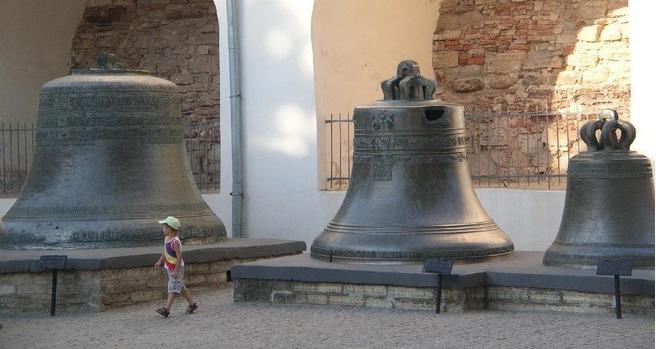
(609, 205)
(410, 195)
(109, 162)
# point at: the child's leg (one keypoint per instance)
(185, 293)
(170, 300)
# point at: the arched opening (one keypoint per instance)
(174, 40)
(356, 45)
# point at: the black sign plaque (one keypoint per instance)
(617, 269)
(52, 263)
(438, 266)
(622, 268)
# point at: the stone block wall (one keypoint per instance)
(421, 298)
(519, 55)
(370, 296)
(95, 290)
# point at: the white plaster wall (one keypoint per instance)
(281, 199)
(531, 218)
(281, 196)
(35, 45)
(643, 75)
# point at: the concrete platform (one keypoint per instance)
(517, 281)
(96, 279)
(17, 261)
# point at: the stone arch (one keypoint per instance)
(175, 40)
(531, 56)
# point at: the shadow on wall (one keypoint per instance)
(533, 55)
(284, 58)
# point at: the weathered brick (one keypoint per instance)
(163, 36)
(146, 296)
(318, 288)
(282, 297)
(6, 290)
(545, 296)
(196, 268)
(354, 301)
(317, 299)
(378, 303)
(398, 292)
(115, 298)
(366, 290)
(504, 62)
(508, 294)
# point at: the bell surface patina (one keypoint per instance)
(410, 195)
(609, 204)
(109, 162)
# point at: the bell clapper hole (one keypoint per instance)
(435, 114)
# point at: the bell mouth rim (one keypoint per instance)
(457, 259)
(410, 104)
(94, 71)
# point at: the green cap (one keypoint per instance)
(171, 222)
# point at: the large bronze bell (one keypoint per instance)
(609, 205)
(109, 161)
(410, 195)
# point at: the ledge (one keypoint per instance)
(20, 261)
(519, 269)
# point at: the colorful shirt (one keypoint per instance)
(170, 257)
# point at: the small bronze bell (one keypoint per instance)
(609, 205)
(410, 195)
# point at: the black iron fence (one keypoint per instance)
(17, 143)
(505, 150)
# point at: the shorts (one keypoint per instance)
(176, 285)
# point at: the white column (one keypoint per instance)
(643, 75)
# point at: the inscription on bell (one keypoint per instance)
(109, 162)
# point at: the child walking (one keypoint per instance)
(171, 259)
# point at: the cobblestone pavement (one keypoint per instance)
(221, 324)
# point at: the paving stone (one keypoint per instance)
(221, 323)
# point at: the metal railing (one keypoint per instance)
(340, 138)
(17, 144)
(504, 150)
(204, 154)
(523, 150)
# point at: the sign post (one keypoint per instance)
(52, 263)
(439, 267)
(615, 268)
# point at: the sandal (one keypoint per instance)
(192, 308)
(163, 312)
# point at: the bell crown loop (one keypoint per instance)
(608, 122)
(408, 84)
(107, 61)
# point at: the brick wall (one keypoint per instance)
(518, 55)
(566, 56)
(174, 39)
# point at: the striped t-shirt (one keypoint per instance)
(170, 257)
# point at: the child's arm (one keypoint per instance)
(178, 253)
(158, 264)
